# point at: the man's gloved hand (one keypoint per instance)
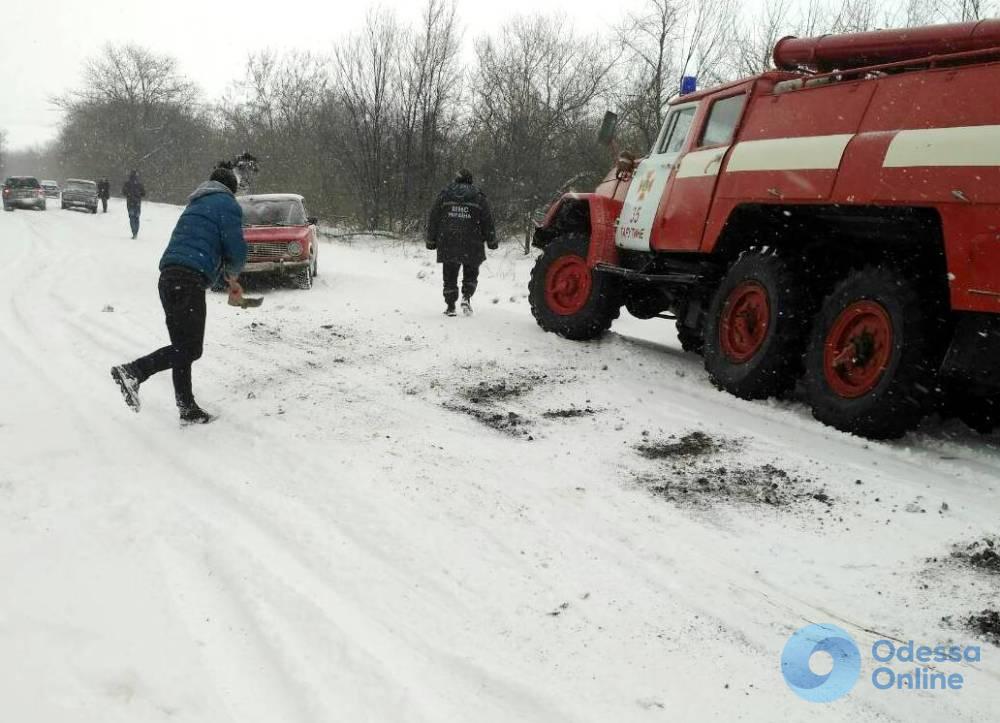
(235, 290)
(493, 246)
(431, 245)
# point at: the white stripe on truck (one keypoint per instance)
(811, 153)
(959, 146)
(702, 164)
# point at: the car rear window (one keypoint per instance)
(81, 186)
(273, 213)
(23, 182)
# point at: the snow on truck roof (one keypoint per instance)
(271, 197)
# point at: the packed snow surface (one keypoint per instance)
(406, 517)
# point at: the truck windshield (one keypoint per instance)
(678, 127)
(260, 212)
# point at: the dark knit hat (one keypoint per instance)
(464, 176)
(226, 177)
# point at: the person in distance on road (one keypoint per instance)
(104, 192)
(207, 242)
(134, 192)
(460, 223)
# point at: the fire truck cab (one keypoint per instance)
(836, 221)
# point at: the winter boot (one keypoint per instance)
(128, 384)
(466, 306)
(195, 415)
(450, 310)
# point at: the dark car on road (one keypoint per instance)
(22, 192)
(78, 193)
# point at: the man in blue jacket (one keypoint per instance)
(207, 242)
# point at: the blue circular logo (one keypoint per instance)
(819, 639)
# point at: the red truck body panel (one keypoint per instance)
(927, 138)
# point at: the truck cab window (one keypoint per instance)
(722, 120)
(678, 127)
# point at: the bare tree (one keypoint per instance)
(533, 109)
(705, 40)
(431, 83)
(143, 89)
(651, 68)
(134, 109)
(366, 86)
(274, 113)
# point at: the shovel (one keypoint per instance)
(245, 302)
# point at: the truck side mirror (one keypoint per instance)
(609, 126)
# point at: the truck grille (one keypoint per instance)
(267, 251)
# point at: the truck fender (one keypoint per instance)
(588, 214)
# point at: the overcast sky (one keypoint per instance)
(42, 44)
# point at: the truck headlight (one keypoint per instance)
(295, 248)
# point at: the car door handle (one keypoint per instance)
(716, 159)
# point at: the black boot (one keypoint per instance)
(467, 306)
(450, 309)
(195, 415)
(128, 383)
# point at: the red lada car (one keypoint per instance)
(281, 238)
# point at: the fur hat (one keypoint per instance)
(464, 176)
(226, 177)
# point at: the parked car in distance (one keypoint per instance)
(22, 192)
(78, 193)
(281, 237)
(51, 189)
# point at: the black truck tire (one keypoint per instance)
(566, 296)
(757, 325)
(872, 356)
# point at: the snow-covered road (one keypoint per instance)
(403, 517)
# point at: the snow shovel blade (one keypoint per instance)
(247, 302)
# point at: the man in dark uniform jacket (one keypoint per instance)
(134, 192)
(460, 223)
(104, 192)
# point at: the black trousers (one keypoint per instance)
(470, 279)
(104, 202)
(182, 293)
(133, 218)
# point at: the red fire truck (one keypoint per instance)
(834, 221)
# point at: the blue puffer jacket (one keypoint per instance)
(208, 236)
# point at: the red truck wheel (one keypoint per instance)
(872, 357)
(757, 325)
(566, 297)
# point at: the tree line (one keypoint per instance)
(371, 131)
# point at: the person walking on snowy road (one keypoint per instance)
(207, 242)
(104, 192)
(460, 223)
(134, 192)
